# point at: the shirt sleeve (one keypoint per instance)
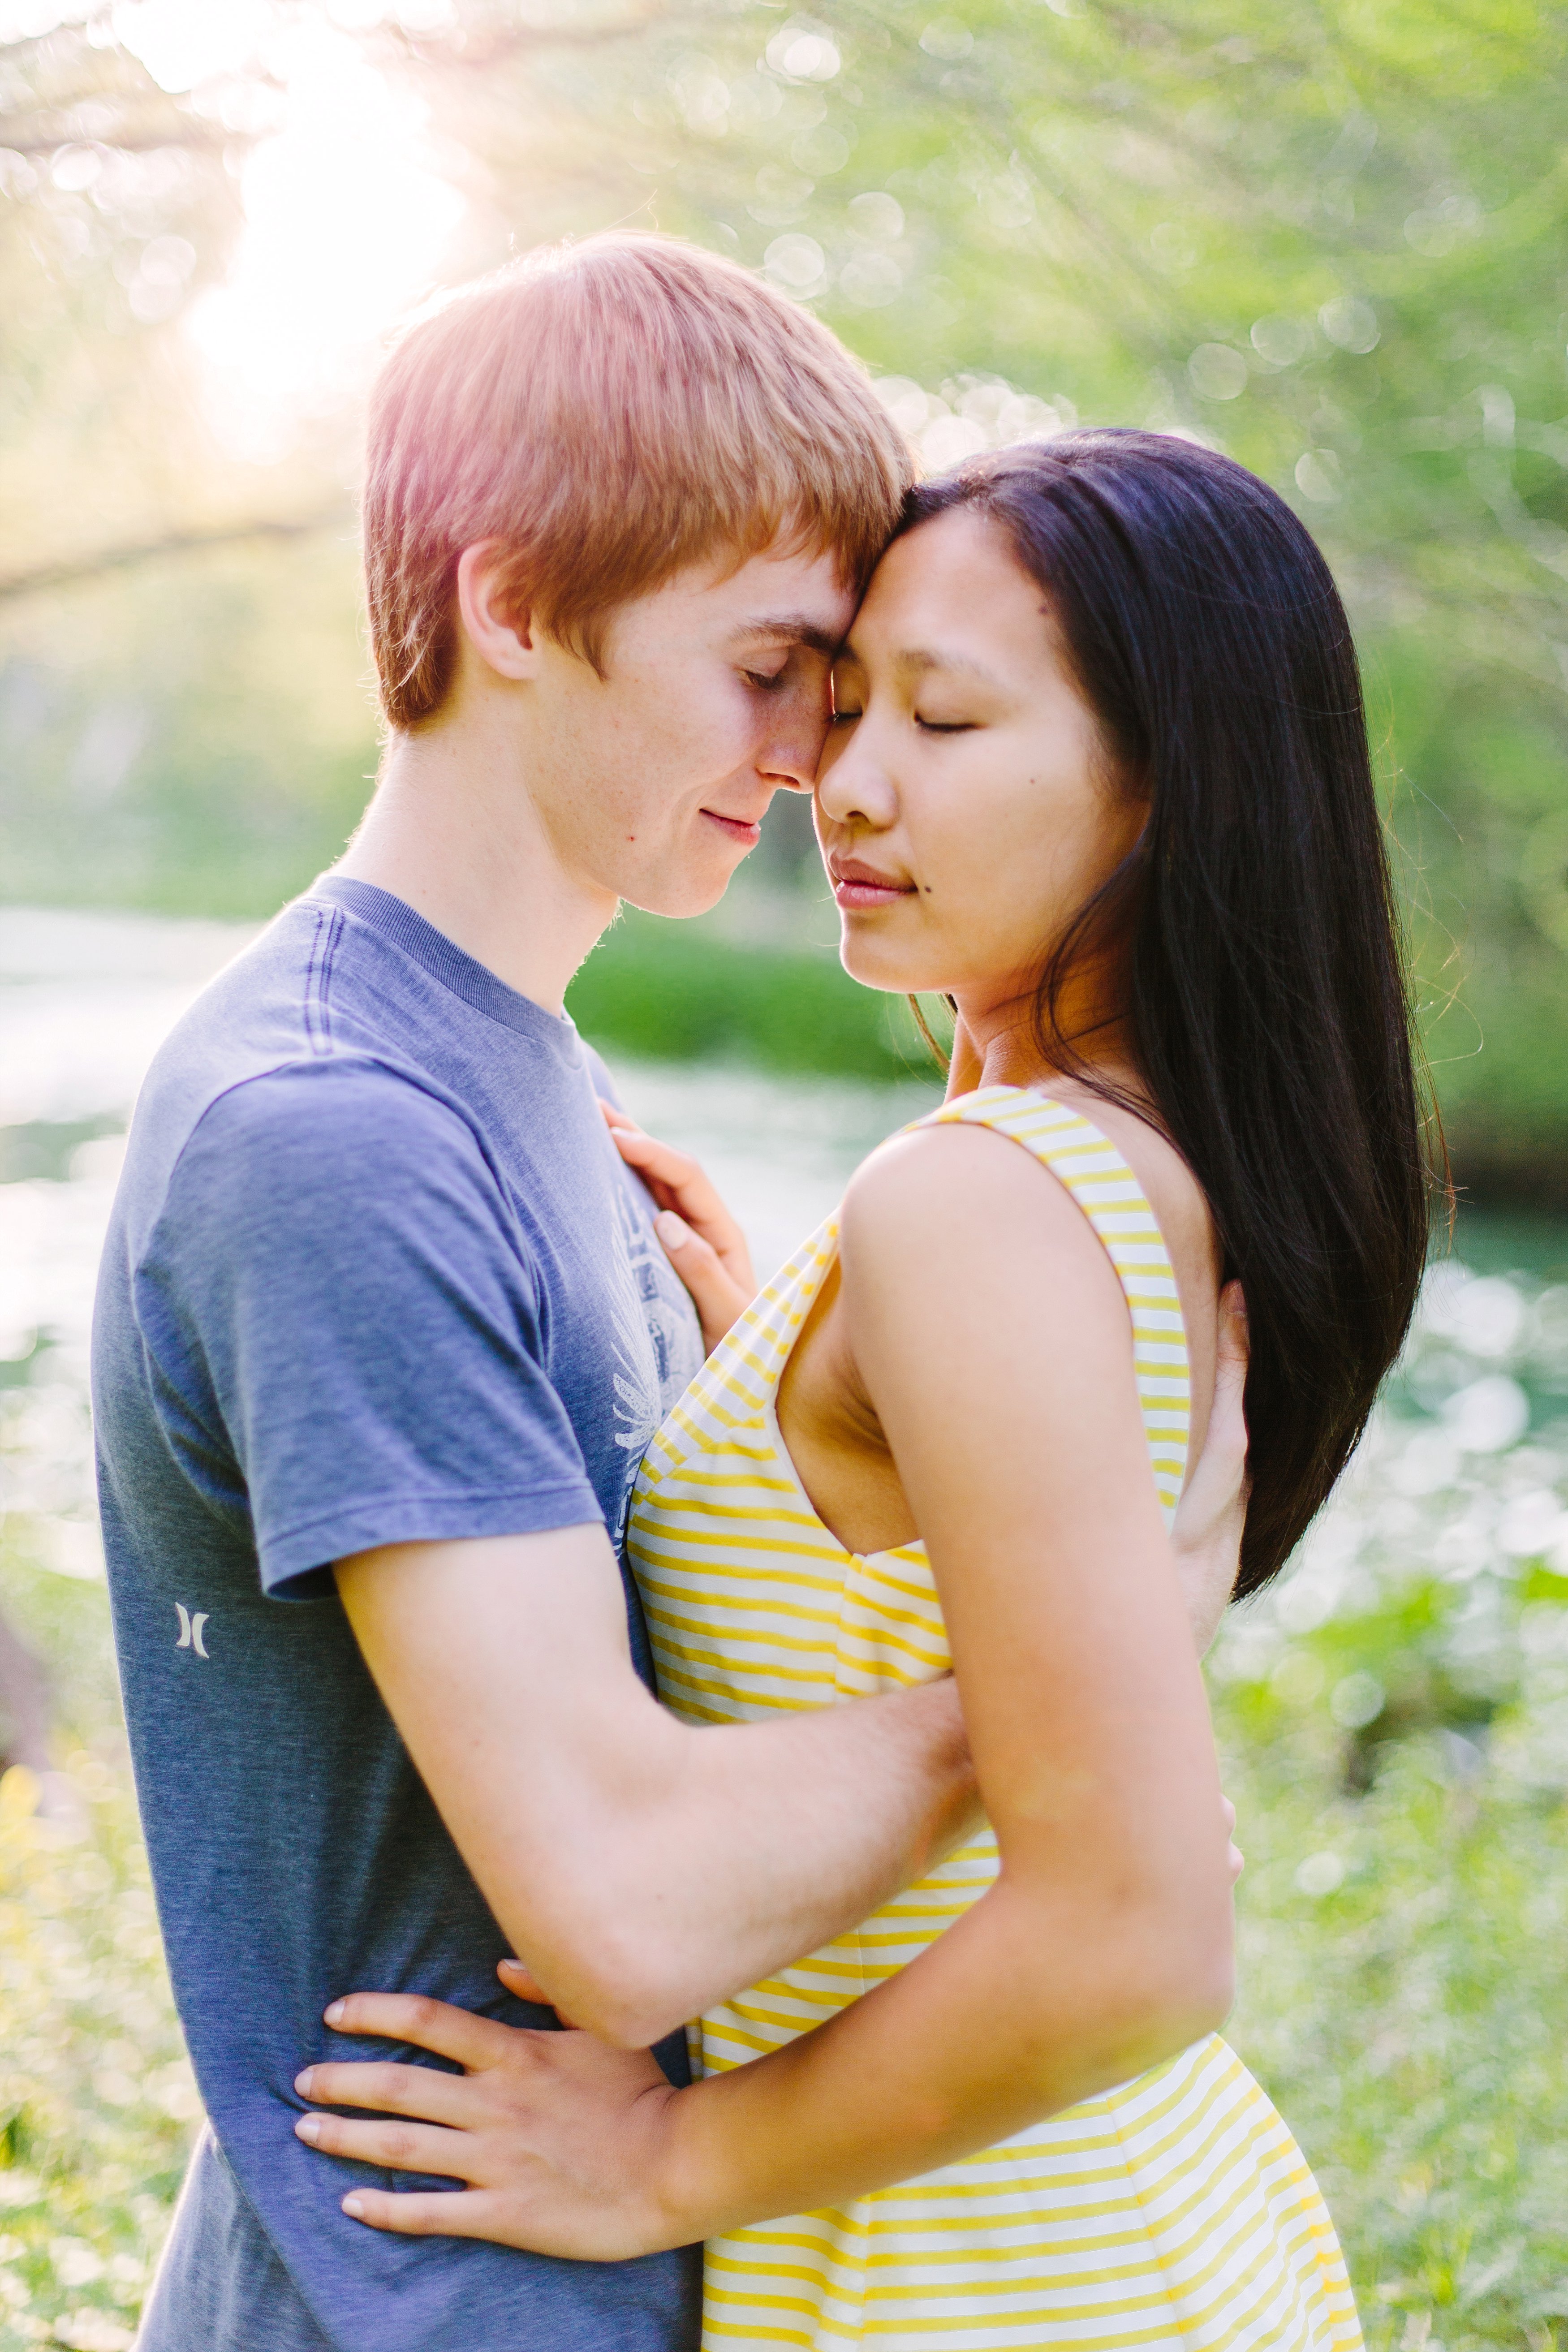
(338, 1267)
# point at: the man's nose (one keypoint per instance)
(791, 765)
(794, 751)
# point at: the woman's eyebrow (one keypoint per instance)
(917, 659)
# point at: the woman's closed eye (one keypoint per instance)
(846, 717)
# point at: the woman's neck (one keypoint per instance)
(998, 1043)
(1011, 1054)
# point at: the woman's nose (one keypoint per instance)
(854, 787)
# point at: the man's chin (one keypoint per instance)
(680, 896)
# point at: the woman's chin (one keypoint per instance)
(869, 961)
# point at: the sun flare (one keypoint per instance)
(347, 221)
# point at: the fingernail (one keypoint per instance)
(334, 2011)
(309, 2127)
(510, 1968)
(354, 2207)
(303, 2081)
(673, 1230)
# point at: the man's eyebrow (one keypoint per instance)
(917, 659)
(797, 629)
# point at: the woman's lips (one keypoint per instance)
(860, 887)
(747, 830)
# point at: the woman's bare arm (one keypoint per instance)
(996, 1349)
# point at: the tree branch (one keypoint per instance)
(121, 143)
(70, 573)
(430, 49)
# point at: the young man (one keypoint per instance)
(383, 1326)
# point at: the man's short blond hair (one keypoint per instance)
(611, 411)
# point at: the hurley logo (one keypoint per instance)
(191, 1629)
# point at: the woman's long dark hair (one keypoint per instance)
(1266, 1002)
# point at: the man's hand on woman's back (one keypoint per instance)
(1207, 1537)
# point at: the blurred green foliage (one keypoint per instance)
(1401, 1998)
(97, 2102)
(97, 2099)
(1394, 1721)
(205, 752)
(1326, 235)
(666, 991)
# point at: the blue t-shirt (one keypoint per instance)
(375, 1273)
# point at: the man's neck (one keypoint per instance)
(453, 832)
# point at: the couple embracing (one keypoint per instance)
(864, 1984)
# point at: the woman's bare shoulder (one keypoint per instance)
(953, 1193)
(944, 1179)
(958, 1251)
(961, 1169)
(962, 1166)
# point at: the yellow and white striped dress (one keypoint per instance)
(1174, 2211)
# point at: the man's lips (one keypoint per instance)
(861, 887)
(744, 829)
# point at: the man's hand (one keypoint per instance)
(559, 2138)
(1206, 1536)
(702, 1239)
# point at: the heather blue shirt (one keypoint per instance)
(375, 1273)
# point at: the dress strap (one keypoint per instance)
(1112, 1198)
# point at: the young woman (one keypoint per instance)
(1097, 775)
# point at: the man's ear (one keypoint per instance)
(504, 637)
